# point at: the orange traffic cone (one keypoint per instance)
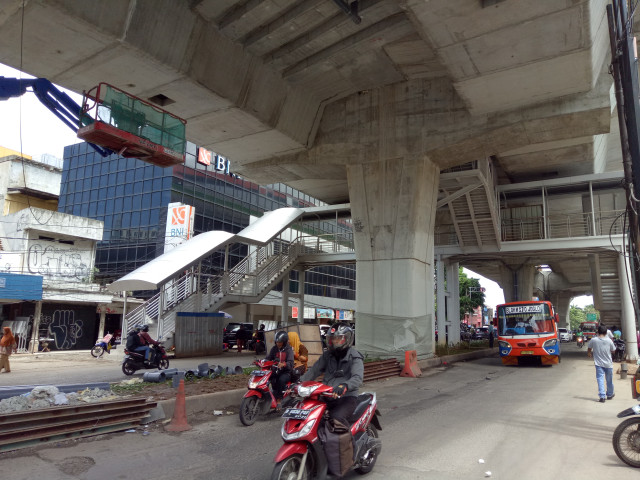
(179, 419)
(411, 368)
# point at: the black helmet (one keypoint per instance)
(282, 337)
(138, 328)
(262, 326)
(145, 328)
(339, 338)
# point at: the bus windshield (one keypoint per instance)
(589, 327)
(524, 319)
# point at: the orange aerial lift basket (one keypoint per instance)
(131, 127)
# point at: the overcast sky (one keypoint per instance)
(41, 132)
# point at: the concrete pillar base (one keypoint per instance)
(390, 337)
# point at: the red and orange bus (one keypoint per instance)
(527, 330)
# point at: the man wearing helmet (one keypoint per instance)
(283, 354)
(146, 340)
(343, 369)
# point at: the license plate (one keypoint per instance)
(296, 413)
(526, 352)
(258, 373)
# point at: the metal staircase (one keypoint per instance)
(247, 282)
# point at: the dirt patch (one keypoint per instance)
(75, 465)
(201, 386)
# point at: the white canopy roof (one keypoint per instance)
(184, 256)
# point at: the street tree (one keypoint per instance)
(471, 294)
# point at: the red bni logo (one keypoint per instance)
(204, 156)
(178, 216)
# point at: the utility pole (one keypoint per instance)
(624, 69)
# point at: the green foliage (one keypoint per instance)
(578, 315)
(462, 347)
(130, 389)
(468, 302)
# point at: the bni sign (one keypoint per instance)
(209, 158)
(179, 225)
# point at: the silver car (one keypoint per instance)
(565, 335)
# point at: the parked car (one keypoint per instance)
(481, 333)
(565, 335)
(230, 331)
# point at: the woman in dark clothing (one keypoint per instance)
(283, 354)
(241, 338)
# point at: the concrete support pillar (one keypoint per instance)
(300, 296)
(517, 281)
(562, 303)
(284, 314)
(103, 315)
(628, 317)
(35, 340)
(453, 302)
(441, 302)
(393, 211)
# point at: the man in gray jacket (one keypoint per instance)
(343, 369)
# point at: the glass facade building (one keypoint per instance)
(131, 198)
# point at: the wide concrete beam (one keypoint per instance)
(547, 49)
(233, 101)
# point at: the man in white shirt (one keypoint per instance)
(600, 349)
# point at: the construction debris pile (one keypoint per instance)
(50, 396)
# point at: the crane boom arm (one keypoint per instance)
(60, 104)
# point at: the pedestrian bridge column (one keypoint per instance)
(628, 317)
(453, 302)
(393, 212)
(561, 303)
(517, 281)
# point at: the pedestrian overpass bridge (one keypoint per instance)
(382, 105)
(581, 251)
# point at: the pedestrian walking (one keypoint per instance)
(7, 347)
(600, 349)
(491, 335)
(241, 338)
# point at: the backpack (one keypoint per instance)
(133, 340)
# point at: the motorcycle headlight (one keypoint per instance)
(255, 381)
(306, 391)
(301, 433)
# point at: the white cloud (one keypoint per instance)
(27, 126)
(493, 295)
(582, 301)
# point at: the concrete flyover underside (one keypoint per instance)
(366, 113)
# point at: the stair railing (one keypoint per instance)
(249, 277)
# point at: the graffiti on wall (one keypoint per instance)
(63, 327)
(54, 261)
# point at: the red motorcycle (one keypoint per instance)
(259, 399)
(302, 455)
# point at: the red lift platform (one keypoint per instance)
(132, 127)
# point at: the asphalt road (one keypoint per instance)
(525, 423)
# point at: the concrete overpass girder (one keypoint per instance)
(544, 48)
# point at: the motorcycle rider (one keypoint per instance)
(260, 333)
(146, 340)
(343, 369)
(283, 353)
